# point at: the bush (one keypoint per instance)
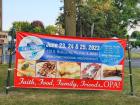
(137, 43)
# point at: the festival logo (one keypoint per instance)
(31, 48)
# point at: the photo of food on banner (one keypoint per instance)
(68, 70)
(26, 68)
(112, 72)
(46, 69)
(91, 71)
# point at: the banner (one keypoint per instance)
(60, 62)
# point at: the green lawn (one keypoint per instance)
(70, 97)
(133, 55)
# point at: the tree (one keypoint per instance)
(20, 27)
(110, 17)
(136, 35)
(70, 17)
(51, 29)
(24, 26)
(37, 27)
(34, 27)
(37, 30)
(37, 23)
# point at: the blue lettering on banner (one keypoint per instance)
(71, 51)
(78, 51)
(111, 53)
(31, 48)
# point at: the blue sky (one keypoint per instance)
(28, 10)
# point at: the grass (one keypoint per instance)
(133, 55)
(70, 97)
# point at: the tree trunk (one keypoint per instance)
(70, 17)
(0, 15)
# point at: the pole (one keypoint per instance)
(1, 52)
(10, 63)
(9, 69)
(4, 54)
(130, 67)
(0, 15)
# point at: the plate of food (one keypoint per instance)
(46, 69)
(91, 71)
(26, 68)
(112, 72)
(68, 70)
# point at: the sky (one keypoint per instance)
(29, 10)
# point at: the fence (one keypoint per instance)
(4, 54)
(4, 59)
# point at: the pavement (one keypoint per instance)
(136, 50)
(134, 63)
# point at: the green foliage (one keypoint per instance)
(37, 30)
(110, 17)
(51, 29)
(19, 27)
(34, 27)
(22, 26)
(137, 43)
(136, 35)
(60, 20)
(37, 27)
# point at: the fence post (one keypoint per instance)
(130, 67)
(10, 61)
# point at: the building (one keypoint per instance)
(133, 27)
(3, 44)
(3, 37)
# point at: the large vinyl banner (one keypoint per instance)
(59, 62)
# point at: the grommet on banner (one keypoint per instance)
(8, 87)
(129, 47)
(129, 60)
(12, 86)
(10, 69)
